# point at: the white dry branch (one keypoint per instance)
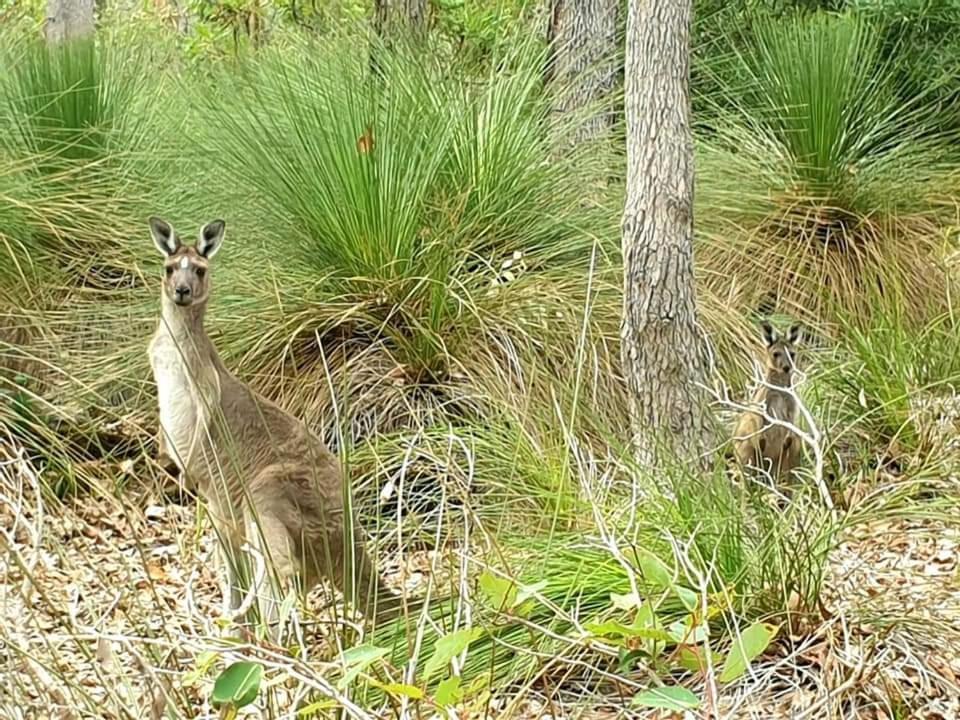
(812, 437)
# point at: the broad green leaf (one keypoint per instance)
(448, 647)
(622, 635)
(658, 573)
(690, 599)
(671, 698)
(501, 593)
(654, 570)
(655, 634)
(400, 689)
(747, 646)
(238, 685)
(357, 659)
(448, 692)
(648, 626)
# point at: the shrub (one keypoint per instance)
(412, 220)
(816, 179)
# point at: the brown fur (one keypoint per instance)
(758, 443)
(265, 477)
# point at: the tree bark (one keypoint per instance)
(581, 60)
(411, 13)
(417, 15)
(664, 351)
(68, 20)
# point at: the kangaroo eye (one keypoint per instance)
(201, 272)
(169, 271)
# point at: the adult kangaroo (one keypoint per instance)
(267, 480)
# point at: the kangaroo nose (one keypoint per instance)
(183, 291)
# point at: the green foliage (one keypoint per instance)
(481, 30)
(924, 37)
(75, 136)
(886, 375)
(394, 206)
(236, 687)
(819, 180)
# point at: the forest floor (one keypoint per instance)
(109, 574)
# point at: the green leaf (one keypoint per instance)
(658, 573)
(610, 628)
(750, 643)
(672, 698)
(501, 593)
(238, 685)
(315, 708)
(648, 626)
(448, 647)
(401, 690)
(654, 570)
(448, 692)
(689, 598)
(357, 659)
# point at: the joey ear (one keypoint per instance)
(769, 333)
(211, 238)
(164, 236)
(793, 334)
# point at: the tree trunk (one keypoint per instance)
(387, 14)
(582, 37)
(665, 358)
(68, 19)
(417, 15)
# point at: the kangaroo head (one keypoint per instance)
(186, 278)
(781, 349)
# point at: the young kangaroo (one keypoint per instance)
(265, 477)
(759, 443)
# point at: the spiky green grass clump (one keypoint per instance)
(818, 181)
(408, 228)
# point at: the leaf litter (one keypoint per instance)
(108, 602)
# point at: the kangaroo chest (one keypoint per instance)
(181, 408)
(781, 406)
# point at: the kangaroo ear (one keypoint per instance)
(164, 237)
(211, 238)
(769, 333)
(793, 334)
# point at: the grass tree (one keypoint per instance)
(664, 352)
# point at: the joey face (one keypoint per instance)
(781, 349)
(186, 278)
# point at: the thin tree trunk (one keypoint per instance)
(381, 12)
(417, 15)
(582, 62)
(68, 20)
(664, 350)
